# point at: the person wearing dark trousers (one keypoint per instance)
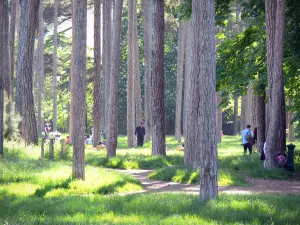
(247, 136)
(140, 133)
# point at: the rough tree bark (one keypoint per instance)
(41, 66)
(260, 121)
(97, 70)
(113, 95)
(291, 123)
(275, 17)
(236, 114)
(12, 37)
(79, 24)
(147, 28)
(180, 69)
(24, 95)
(55, 66)
(201, 114)
(106, 60)
(243, 116)
(188, 153)
(219, 117)
(158, 101)
(130, 91)
(136, 68)
(4, 65)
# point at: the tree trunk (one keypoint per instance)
(201, 115)
(147, 27)
(12, 37)
(260, 121)
(291, 124)
(243, 116)
(236, 114)
(275, 16)
(158, 114)
(51, 149)
(79, 24)
(249, 105)
(25, 99)
(130, 87)
(188, 153)
(55, 67)
(219, 117)
(107, 41)
(4, 65)
(41, 67)
(136, 68)
(97, 78)
(180, 68)
(113, 95)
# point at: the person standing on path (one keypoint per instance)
(247, 136)
(140, 133)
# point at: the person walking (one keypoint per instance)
(247, 136)
(140, 133)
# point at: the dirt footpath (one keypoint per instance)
(255, 185)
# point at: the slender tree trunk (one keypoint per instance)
(130, 87)
(236, 114)
(147, 27)
(159, 139)
(249, 105)
(201, 115)
(55, 67)
(243, 116)
(4, 65)
(219, 117)
(136, 67)
(107, 41)
(260, 121)
(79, 24)
(41, 67)
(12, 37)
(97, 66)
(180, 68)
(188, 153)
(25, 99)
(291, 117)
(275, 16)
(113, 96)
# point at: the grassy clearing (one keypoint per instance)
(24, 174)
(150, 209)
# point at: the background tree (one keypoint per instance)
(24, 97)
(113, 95)
(12, 36)
(158, 103)
(97, 75)
(55, 66)
(79, 21)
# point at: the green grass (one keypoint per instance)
(24, 174)
(150, 209)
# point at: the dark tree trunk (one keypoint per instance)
(113, 95)
(12, 37)
(236, 115)
(158, 101)
(79, 21)
(261, 121)
(25, 99)
(97, 75)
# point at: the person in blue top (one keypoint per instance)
(247, 136)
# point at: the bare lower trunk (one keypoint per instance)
(201, 116)
(79, 24)
(236, 115)
(1, 115)
(219, 117)
(55, 67)
(147, 27)
(243, 116)
(97, 74)
(189, 154)
(12, 42)
(113, 96)
(158, 102)
(25, 99)
(260, 121)
(291, 127)
(180, 68)
(275, 16)
(130, 87)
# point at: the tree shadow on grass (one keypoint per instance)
(41, 192)
(148, 208)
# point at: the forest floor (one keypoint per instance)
(256, 185)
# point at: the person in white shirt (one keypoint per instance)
(247, 136)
